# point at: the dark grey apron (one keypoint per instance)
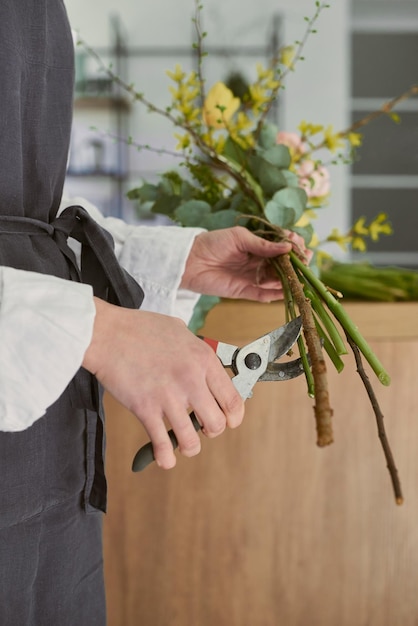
(52, 482)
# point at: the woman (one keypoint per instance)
(66, 332)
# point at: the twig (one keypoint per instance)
(384, 110)
(199, 49)
(379, 421)
(298, 57)
(322, 408)
(341, 315)
(291, 314)
(218, 160)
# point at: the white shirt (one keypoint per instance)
(46, 323)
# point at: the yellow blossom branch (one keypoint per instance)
(290, 65)
(385, 109)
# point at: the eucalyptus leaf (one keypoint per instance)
(146, 193)
(234, 152)
(268, 136)
(165, 204)
(278, 155)
(268, 175)
(221, 219)
(279, 214)
(186, 190)
(200, 311)
(304, 231)
(293, 197)
(222, 205)
(169, 185)
(192, 213)
(237, 200)
(292, 179)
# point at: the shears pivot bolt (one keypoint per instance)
(252, 361)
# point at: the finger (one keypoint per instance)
(258, 246)
(161, 444)
(227, 397)
(268, 249)
(187, 438)
(210, 415)
(262, 293)
(299, 246)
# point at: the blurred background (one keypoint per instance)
(365, 53)
(295, 536)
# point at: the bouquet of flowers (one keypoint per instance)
(236, 167)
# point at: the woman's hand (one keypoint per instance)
(234, 263)
(160, 371)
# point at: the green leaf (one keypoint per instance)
(170, 183)
(279, 214)
(192, 213)
(200, 311)
(268, 175)
(234, 152)
(237, 201)
(268, 136)
(187, 190)
(306, 232)
(221, 219)
(278, 155)
(291, 178)
(292, 197)
(145, 193)
(166, 204)
(222, 205)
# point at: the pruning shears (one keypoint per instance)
(255, 362)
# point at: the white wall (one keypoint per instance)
(317, 91)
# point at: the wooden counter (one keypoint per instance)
(263, 528)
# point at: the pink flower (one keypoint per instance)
(314, 179)
(292, 141)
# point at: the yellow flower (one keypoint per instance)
(380, 226)
(243, 121)
(287, 54)
(358, 244)
(177, 75)
(332, 140)
(355, 139)
(339, 238)
(360, 227)
(307, 129)
(314, 242)
(305, 218)
(220, 105)
(193, 80)
(259, 96)
(183, 141)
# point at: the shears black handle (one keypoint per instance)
(145, 455)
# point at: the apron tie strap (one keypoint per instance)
(99, 265)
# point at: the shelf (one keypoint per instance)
(96, 174)
(102, 102)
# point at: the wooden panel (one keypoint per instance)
(263, 528)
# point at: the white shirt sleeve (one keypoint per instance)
(46, 324)
(154, 255)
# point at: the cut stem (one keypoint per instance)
(349, 327)
(322, 409)
(393, 472)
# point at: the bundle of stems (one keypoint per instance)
(363, 281)
(325, 322)
(305, 294)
